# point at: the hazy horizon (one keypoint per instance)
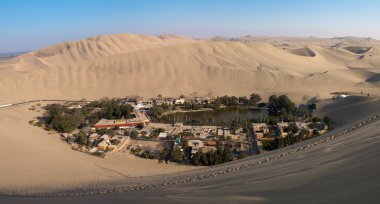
(273, 101)
(230, 37)
(29, 25)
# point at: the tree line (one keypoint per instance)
(182, 154)
(63, 119)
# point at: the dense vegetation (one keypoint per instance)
(66, 118)
(63, 119)
(295, 135)
(230, 101)
(280, 106)
(290, 139)
(221, 155)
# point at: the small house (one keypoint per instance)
(163, 135)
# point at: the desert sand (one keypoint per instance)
(339, 170)
(126, 64)
(35, 161)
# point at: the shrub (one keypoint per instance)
(136, 150)
(254, 99)
(242, 155)
(316, 119)
(281, 105)
(261, 105)
(177, 155)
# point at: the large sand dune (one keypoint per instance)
(125, 64)
(35, 161)
(119, 65)
(358, 50)
(304, 51)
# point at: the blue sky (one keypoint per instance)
(32, 24)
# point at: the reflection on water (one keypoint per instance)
(215, 117)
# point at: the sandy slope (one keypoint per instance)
(125, 64)
(34, 161)
(121, 65)
(342, 170)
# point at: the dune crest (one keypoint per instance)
(304, 51)
(107, 45)
(127, 64)
(374, 78)
(357, 49)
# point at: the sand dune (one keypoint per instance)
(35, 161)
(374, 78)
(317, 173)
(125, 64)
(305, 51)
(107, 45)
(357, 50)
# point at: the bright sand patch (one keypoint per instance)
(126, 64)
(33, 160)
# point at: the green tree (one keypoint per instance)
(227, 154)
(82, 138)
(184, 143)
(267, 145)
(196, 159)
(177, 155)
(329, 122)
(316, 119)
(273, 105)
(114, 109)
(210, 156)
(216, 104)
(219, 155)
(281, 105)
(110, 132)
(280, 143)
(133, 134)
(126, 111)
(242, 155)
(293, 128)
(204, 159)
(101, 131)
(147, 155)
(67, 122)
(234, 126)
(244, 100)
(165, 154)
(254, 99)
(53, 112)
(156, 111)
(110, 115)
(303, 135)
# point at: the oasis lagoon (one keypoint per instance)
(221, 116)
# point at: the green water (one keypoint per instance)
(215, 117)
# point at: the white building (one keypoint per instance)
(179, 101)
(163, 135)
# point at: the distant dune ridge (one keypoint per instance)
(126, 64)
(304, 51)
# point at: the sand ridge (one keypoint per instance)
(127, 64)
(304, 167)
